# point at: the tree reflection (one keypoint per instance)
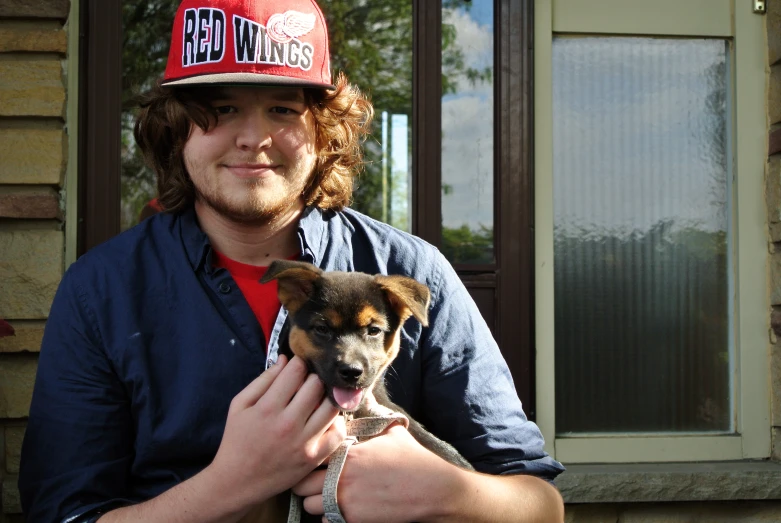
(647, 315)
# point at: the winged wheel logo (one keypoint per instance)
(291, 24)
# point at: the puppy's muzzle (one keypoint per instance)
(350, 373)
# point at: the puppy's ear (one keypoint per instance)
(296, 281)
(407, 297)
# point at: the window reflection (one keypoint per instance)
(467, 131)
(146, 26)
(396, 170)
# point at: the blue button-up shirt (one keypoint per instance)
(147, 343)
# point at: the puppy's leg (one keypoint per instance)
(428, 440)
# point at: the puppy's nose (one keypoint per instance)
(350, 372)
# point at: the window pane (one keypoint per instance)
(467, 131)
(372, 43)
(642, 235)
(146, 26)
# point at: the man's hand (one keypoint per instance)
(382, 480)
(279, 428)
(392, 478)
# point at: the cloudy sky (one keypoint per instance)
(467, 130)
(467, 125)
(635, 140)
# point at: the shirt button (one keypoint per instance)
(225, 288)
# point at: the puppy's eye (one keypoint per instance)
(373, 331)
(322, 330)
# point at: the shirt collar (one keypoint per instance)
(312, 233)
(196, 243)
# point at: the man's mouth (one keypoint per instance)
(347, 399)
(251, 170)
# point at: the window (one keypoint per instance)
(651, 256)
(641, 235)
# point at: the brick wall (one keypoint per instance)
(33, 155)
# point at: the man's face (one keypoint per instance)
(255, 162)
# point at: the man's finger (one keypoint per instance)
(314, 505)
(307, 399)
(322, 419)
(311, 485)
(258, 387)
(328, 436)
(290, 380)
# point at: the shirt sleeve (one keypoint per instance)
(78, 446)
(464, 369)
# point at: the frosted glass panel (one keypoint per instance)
(642, 235)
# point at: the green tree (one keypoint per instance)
(146, 26)
(465, 245)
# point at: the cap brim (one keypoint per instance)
(246, 79)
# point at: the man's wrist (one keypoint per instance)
(229, 498)
(203, 498)
(477, 497)
(449, 493)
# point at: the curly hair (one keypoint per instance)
(342, 120)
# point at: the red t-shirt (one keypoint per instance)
(262, 297)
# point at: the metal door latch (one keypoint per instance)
(760, 6)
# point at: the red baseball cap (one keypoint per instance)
(254, 42)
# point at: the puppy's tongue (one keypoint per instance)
(347, 399)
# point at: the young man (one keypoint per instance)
(152, 402)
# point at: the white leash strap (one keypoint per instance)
(357, 430)
(296, 509)
(335, 466)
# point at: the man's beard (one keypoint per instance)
(253, 210)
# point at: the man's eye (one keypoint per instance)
(373, 331)
(283, 110)
(224, 109)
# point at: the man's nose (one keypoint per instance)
(254, 133)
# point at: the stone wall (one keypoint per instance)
(773, 198)
(712, 512)
(33, 155)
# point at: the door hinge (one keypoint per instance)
(760, 6)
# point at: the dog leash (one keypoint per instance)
(358, 430)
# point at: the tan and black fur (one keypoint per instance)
(346, 326)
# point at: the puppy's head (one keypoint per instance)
(345, 325)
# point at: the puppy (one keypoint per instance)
(346, 326)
